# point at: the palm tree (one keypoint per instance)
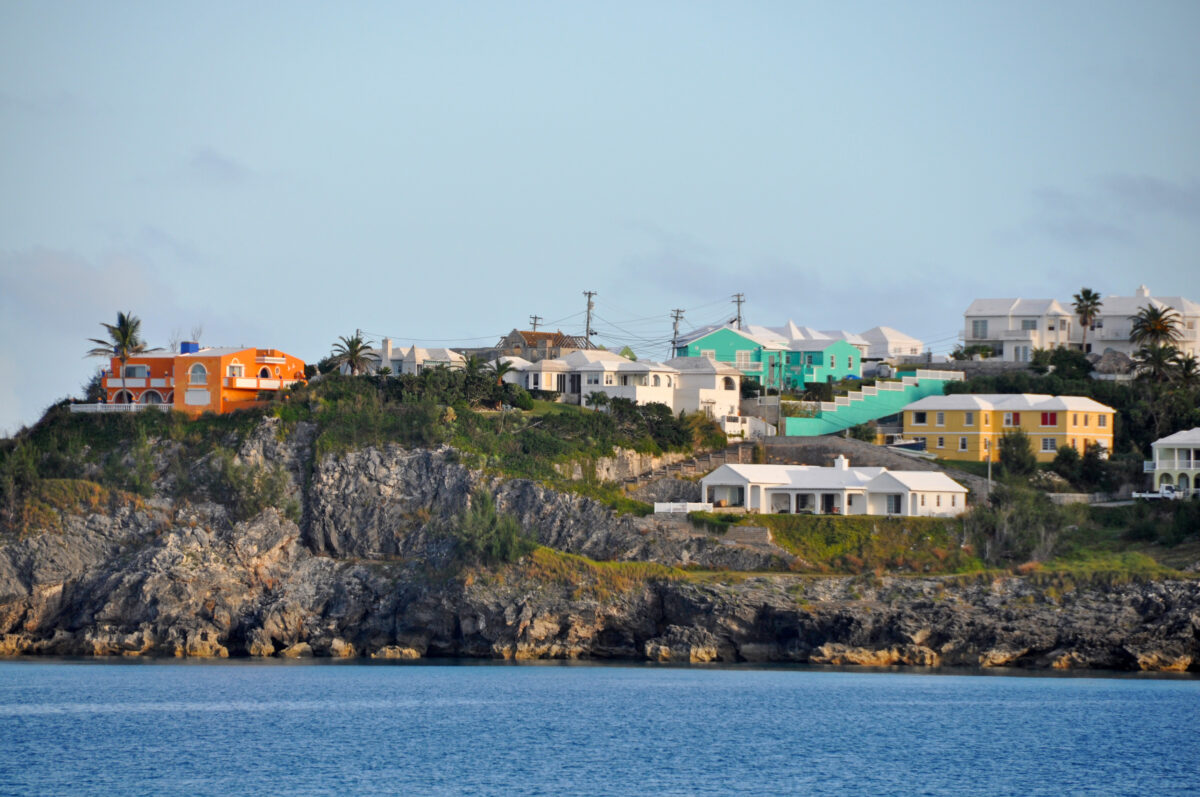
(1157, 362)
(499, 368)
(124, 341)
(1157, 326)
(1087, 307)
(1187, 371)
(353, 352)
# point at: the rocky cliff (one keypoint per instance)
(368, 571)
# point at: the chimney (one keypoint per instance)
(1143, 292)
(841, 463)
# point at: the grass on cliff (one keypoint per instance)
(50, 499)
(587, 579)
(861, 544)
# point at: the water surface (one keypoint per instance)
(273, 727)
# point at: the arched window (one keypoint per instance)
(197, 374)
(151, 397)
(235, 369)
(657, 382)
(264, 373)
(123, 397)
(727, 383)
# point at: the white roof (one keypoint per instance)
(1126, 306)
(220, 351)
(1016, 307)
(437, 355)
(1188, 437)
(888, 335)
(1009, 402)
(923, 481)
(842, 334)
(801, 477)
(702, 365)
(518, 363)
(814, 477)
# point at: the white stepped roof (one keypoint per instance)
(1188, 437)
(888, 335)
(1009, 402)
(925, 481)
(702, 365)
(1017, 307)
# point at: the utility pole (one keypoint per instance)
(738, 298)
(676, 315)
(590, 306)
(534, 319)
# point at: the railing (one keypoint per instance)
(104, 408)
(949, 376)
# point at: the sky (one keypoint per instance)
(282, 174)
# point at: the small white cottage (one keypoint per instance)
(837, 490)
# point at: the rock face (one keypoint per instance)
(364, 574)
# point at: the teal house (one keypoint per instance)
(789, 357)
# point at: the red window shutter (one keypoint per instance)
(1016, 419)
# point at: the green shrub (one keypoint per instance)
(482, 536)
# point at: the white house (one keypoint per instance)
(1013, 328)
(1177, 462)
(1111, 327)
(837, 490)
(705, 385)
(885, 342)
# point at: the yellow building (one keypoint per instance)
(965, 426)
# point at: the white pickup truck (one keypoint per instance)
(1166, 492)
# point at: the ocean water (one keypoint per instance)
(250, 727)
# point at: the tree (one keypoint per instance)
(1016, 453)
(1087, 306)
(1157, 362)
(1066, 463)
(499, 368)
(863, 431)
(1187, 371)
(124, 340)
(1155, 326)
(353, 352)
(596, 399)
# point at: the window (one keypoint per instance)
(968, 419)
(727, 383)
(593, 378)
(535, 380)
(979, 329)
(962, 444)
(1049, 419)
(235, 370)
(1012, 419)
(1049, 444)
(608, 379)
(954, 500)
(743, 360)
(941, 418)
(919, 418)
(1086, 418)
(833, 361)
(1101, 421)
(197, 374)
(894, 504)
(1030, 323)
(938, 500)
(137, 371)
(922, 500)
(808, 359)
(657, 380)
(941, 442)
(1075, 418)
(709, 353)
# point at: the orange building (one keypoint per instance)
(202, 380)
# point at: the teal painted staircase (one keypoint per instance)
(870, 403)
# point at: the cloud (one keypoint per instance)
(215, 167)
(1139, 193)
(1077, 220)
